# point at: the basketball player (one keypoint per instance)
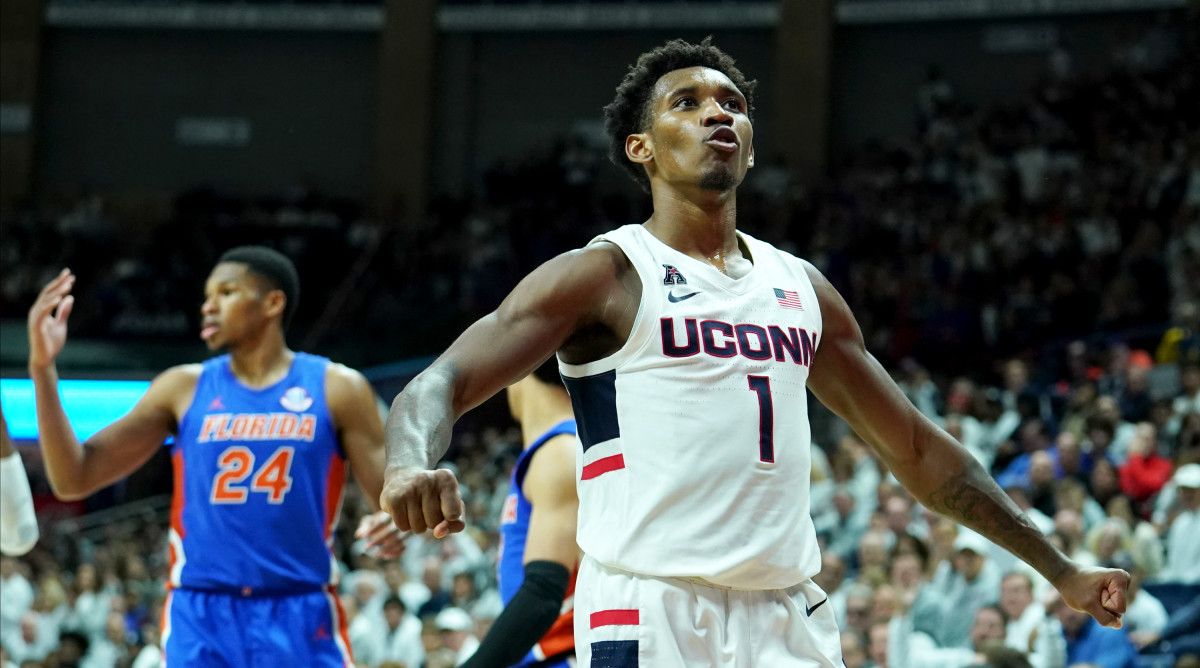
(687, 347)
(538, 553)
(18, 522)
(262, 436)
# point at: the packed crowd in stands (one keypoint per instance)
(1030, 273)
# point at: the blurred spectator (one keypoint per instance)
(971, 583)
(854, 655)
(924, 604)
(395, 637)
(1145, 616)
(912, 649)
(1181, 342)
(1183, 530)
(16, 598)
(831, 579)
(439, 595)
(457, 629)
(877, 645)
(1024, 617)
(1146, 471)
(1088, 642)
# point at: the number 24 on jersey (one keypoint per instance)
(237, 464)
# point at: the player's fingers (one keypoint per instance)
(416, 517)
(432, 509)
(43, 307)
(56, 283)
(385, 503)
(448, 527)
(382, 532)
(54, 291)
(64, 309)
(389, 543)
(370, 522)
(397, 511)
(1104, 617)
(1112, 598)
(50, 297)
(450, 497)
(389, 550)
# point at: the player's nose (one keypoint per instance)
(715, 114)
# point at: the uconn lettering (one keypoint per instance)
(258, 427)
(722, 339)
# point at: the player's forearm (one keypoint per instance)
(61, 451)
(949, 481)
(421, 419)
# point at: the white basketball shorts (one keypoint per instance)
(626, 620)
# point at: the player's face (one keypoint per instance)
(700, 132)
(234, 305)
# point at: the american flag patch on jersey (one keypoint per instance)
(788, 299)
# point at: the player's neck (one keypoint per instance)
(541, 409)
(261, 364)
(698, 223)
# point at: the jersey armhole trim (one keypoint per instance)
(639, 333)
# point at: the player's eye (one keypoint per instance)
(685, 102)
(733, 103)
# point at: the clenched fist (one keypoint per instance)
(420, 499)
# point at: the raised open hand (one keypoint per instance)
(48, 319)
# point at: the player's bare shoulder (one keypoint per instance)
(615, 292)
(582, 279)
(343, 383)
(173, 389)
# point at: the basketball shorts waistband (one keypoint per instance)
(259, 592)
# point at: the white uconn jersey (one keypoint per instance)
(695, 435)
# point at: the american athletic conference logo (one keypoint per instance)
(296, 399)
(673, 277)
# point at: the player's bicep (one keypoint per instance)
(353, 403)
(545, 309)
(550, 487)
(848, 380)
(123, 446)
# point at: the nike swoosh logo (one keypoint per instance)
(813, 609)
(672, 298)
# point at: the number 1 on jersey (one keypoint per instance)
(766, 418)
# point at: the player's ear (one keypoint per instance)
(639, 147)
(750, 162)
(274, 303)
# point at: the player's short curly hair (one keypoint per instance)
(273, 267)
(628, 113)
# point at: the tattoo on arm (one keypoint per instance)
(973, 499)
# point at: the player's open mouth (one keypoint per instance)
(208, 330)
(723, 139)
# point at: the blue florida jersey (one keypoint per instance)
(514, 529)
(258, 484)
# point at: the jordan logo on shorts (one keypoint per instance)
(673, 276)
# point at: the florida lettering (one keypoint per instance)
(258, 427)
